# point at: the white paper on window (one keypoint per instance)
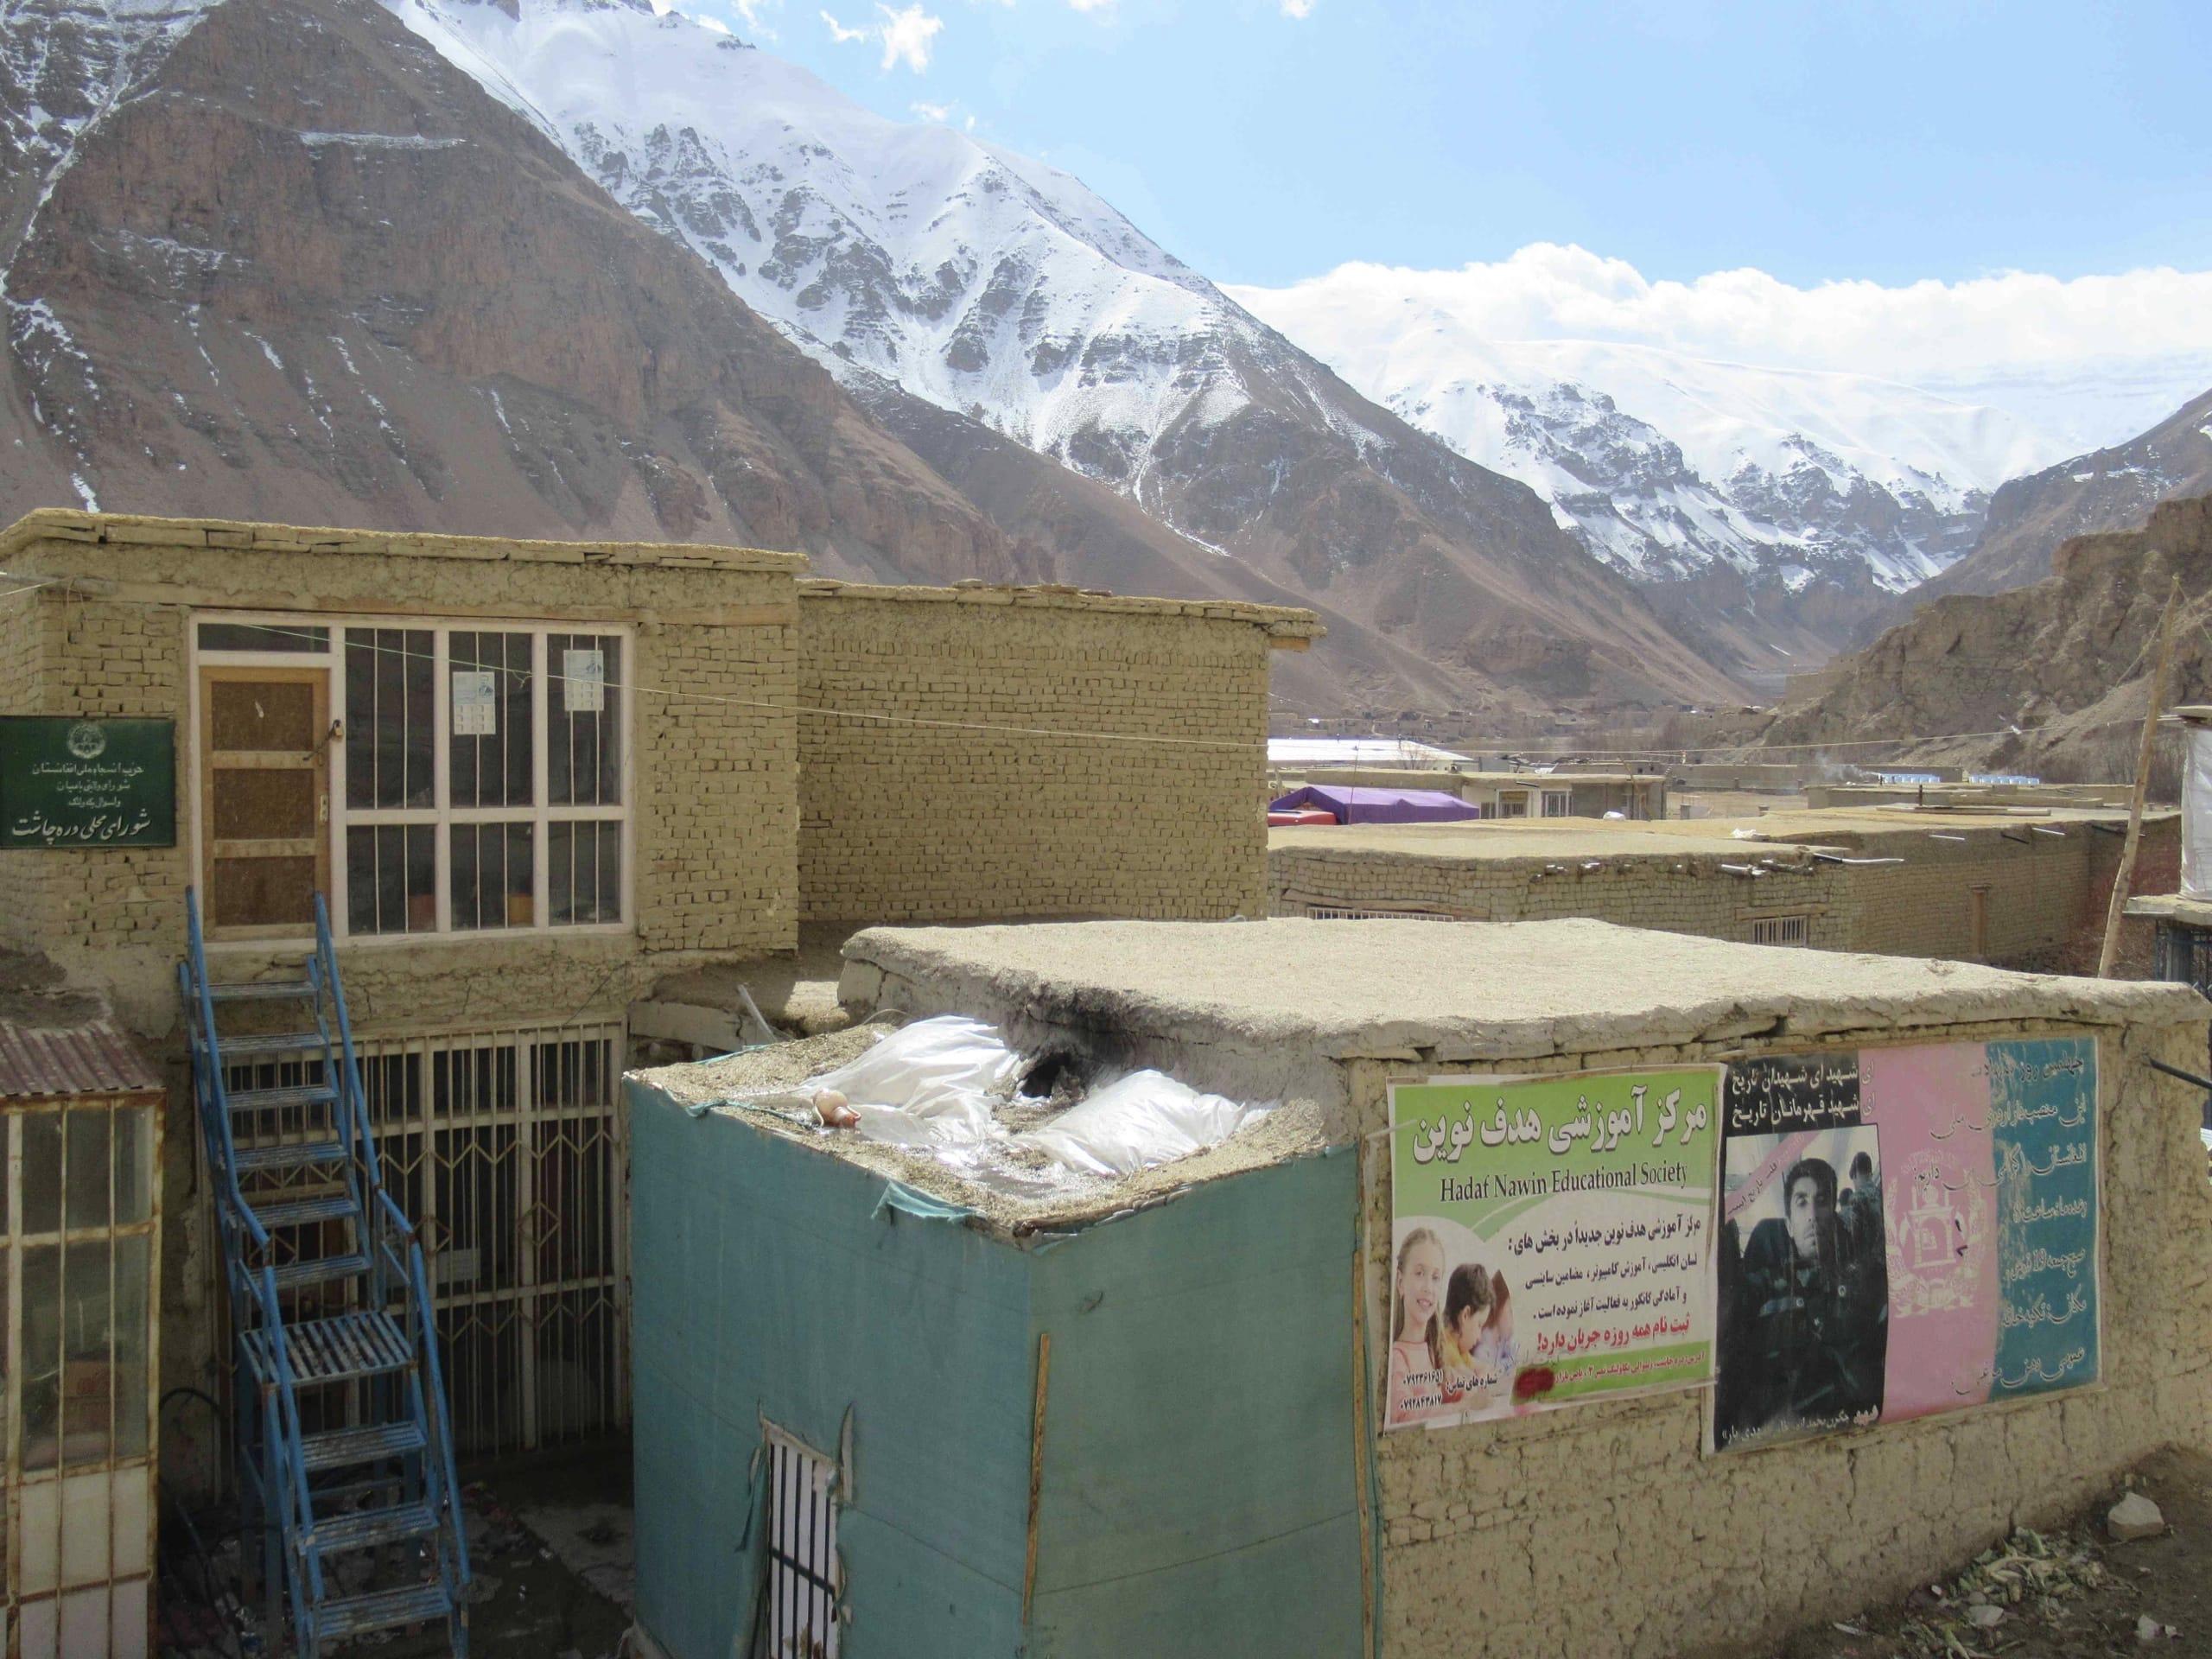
(583, 683)
(475, 702)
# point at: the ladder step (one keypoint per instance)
(365, 1528)
(341, 1448)
(262, 990)
(290, 1154)
(270, 1044)
(334, 1349)
(263, 1100)
(301, 1212)
(320, 1270)
(382, 1610)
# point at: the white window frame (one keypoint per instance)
(542, 815)
(1555, 803)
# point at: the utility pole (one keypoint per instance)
(2125, 876)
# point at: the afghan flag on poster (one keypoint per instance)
(1550, 1241)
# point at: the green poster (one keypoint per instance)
(1550, 1240)
(70, 784)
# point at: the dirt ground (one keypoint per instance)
(2069, 1591)
(551, 1551)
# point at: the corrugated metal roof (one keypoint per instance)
(93, 1058)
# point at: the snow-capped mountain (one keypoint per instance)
(1004, 291)
(1669, 464)
(977, 279)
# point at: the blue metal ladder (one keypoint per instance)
(345, 1456)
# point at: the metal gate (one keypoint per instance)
(506, 1148)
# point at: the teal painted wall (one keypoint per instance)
(762, 1284)
(1198, 1476)
(1199, 1495)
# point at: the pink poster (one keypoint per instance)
(1939, 1181)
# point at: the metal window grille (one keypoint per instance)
(1339, 914)
(79, 1227)
(1780, 929)
(507, 1149)
(2183, 954)
(802, 1552)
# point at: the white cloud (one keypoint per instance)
(1090, 5)
(1298, 8)
(2079, 350)
(751, 11)
(939, 112)
(908, 36)
(712, 25)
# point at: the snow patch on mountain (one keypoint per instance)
(1666, 462)
(985, 282)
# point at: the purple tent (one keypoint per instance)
(1379, 805)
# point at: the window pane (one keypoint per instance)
(134, 1164)
(583, 722)
(276, 636)
(490, 751)
(391, 882)
(133, 1315)
(41, 1339)
(389, 680)
(87, 1356)
(88, 1178)
(41, 1172)
(493, 871)
(584, 873)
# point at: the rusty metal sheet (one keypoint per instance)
(93, 1058)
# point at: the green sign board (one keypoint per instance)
(68, 783)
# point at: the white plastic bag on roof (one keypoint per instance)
(926, 1083)
(1146, 1118)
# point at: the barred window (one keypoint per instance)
(478, 776)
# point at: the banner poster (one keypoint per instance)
(1550, 1240)
(1904, 1231)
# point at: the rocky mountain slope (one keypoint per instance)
(276, 258)
(1002, 292)
(2106, 489)
(1794, 502)
(287, 263)
(2049, 679)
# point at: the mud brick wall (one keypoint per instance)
(2041, 896)
(1604, 1531)
(969, 818)
(714, 817)
(1676, 895)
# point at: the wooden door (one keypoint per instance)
(264, 807)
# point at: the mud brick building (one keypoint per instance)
(530, 780)
(2023, 889)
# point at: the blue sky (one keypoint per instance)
(1814, 142)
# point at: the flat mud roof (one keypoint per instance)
(1451, 992)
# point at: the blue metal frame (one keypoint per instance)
(388, 1291)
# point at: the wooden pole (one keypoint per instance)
(2125, 876)
(1036, 1472)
